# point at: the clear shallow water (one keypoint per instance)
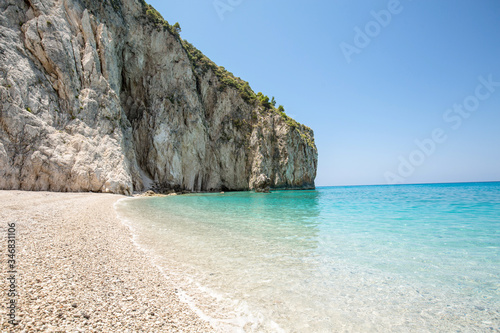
(410, 258)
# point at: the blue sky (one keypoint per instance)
(429, 73)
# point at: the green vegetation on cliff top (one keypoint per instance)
(226, 78)
(199, 61)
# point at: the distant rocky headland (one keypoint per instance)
(105, 96)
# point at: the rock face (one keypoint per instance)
(104, 96)
(262, 184)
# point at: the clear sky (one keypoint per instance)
(371, 78)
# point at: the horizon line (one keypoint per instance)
(430, 183)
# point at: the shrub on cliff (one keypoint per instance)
(157, 19)
(264, 101)
(177, 28)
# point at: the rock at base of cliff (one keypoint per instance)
(262, 184)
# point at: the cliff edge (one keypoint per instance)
(105, 96)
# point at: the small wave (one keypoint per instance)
(238, 317)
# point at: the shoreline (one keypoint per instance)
(78, 269)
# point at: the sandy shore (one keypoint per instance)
(78, 270)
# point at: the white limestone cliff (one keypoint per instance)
(97, 96)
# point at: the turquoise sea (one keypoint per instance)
(406, 258)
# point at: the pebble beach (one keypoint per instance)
(78, 270)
